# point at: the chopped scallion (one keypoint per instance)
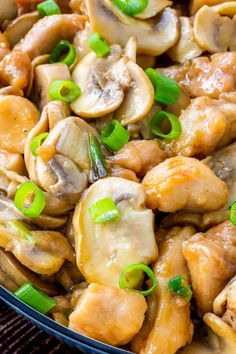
(38, 203)
(64, 90)
(104, 210)
(98, 45)
(114, 135)
(98, 163)
(132, 275)
(35, 298)
(180, 286)
(158, 119)
(63, 52)
(131, 7)
(48, 8)
(37, 142)
(19, 228)
(233, 213)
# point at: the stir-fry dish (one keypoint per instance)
(118, 169)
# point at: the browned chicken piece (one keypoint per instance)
(225, 304)
(111, 315)
(15, 69)
(139, 156)
(206, 76)
(184, 183)
(167, 326)
(48, 31)
(207, 125)
(211, 259)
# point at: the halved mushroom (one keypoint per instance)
(186, 48)
(100, 247)
(48, 31)
(18, 28)
(166, 311)
(8, 10)
(18, 275)
(153, 8)
(154, 36)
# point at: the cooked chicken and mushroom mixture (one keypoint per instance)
(118, 169)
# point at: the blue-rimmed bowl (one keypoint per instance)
(75, 340)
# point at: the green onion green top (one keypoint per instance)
(63, 52)
(180, 286)
(36, 207)
(114, 135)
(98, 45)
(158, 119)
(98, 163)
(64, 90)
(35, 298)
(132, 275)
(19, 228)
(233, 213)
(36, 142)
(48, 8)
(104, 210)
(166, 90)
(131, 7)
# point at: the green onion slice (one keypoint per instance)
(114, 135)
(131, 276)
(63, 52)
(35, 298)
(19, 228)
(233, 213)
(48, 8)
(37, 206)
(103, 211)
(64, 90)
(98, 45)
(180, 286)
(131, 7)
(167, 90)
(98, 163)
(157, 120)
(37, 142)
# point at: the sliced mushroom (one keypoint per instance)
(100, 247)
(165, 311)
(20, 275)
(154, 37)
(80, 40)
(227, 8)
(12, 161)
(8, 10)
(48, 31)
(44, 75)
(153, 8)
(18, 28)
(186, 48)
(197, 4)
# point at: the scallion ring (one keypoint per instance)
(38, 203)
(98, 45)
(157, 120)
(131, 275)
(233, 213)
(104, 210)
(166, 89)
(48, 8)
(19, 228)
(36, 142)
(179, 286)
(114, 135)
(35, 298)
(63, 52)
(64, 90)
(131, 7)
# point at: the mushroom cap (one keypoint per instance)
(153, 8)
(154, 36)
(100, 247)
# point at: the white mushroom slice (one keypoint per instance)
(154, 37)
(138, 98)
(131, 49)
(153, 8)
(212, 32)
(100, 95)
(45, 74)
(227, 8)
(104, 250)
(18, 28)
(186, 48)
(80, 41)
(8, 10)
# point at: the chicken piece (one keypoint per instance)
(184, 183)
(11, 161)
(15, 69)
(48, 31)
(206, 76)
(167, 326)
(139, 156)
(207, 125)
(225, 304)
(111, 315)
(4, 46)
(211, 259)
